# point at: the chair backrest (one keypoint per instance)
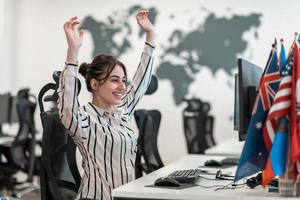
(148, 122)
(25, 106)
(23, 147)
(60, 178)
(198, 126)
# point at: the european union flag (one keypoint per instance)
(254, 155)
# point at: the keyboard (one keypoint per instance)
(185, 176)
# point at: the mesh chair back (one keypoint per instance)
(58, 178)
(148, 122)
(22, 150)
(198, 126)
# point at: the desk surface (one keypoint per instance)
(229, 148)
(137, 190)
(6, 140)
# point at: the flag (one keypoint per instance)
(254, 154)
(276, 163)
(294, 132)
(282, 56)
(277, 143)
(281, 104)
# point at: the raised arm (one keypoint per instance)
(142, 76)
(68, 85)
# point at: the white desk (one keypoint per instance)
(136, 189)
(229, 148)
(6, 141)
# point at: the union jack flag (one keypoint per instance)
(281, 104)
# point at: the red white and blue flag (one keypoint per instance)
(295, 123)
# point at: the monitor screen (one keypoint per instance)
(245, 93)
(236, 115)
(13, 114)
(4, 108)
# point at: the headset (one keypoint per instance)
(254, 181)
(251, 182)
(257, 180)
(221, 176)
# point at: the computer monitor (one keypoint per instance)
(13, 114)
(4, 108)
(236, 111)
(246, 88)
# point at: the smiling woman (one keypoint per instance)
(101, 129)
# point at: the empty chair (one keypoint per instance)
(20, 155)
(198, 126)
(148, 122)
(148, 158)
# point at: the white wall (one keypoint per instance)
(8, 44)
(33, 46)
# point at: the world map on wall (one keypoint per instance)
(214, 44)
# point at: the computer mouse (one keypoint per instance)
(167, 182)
(213, 163)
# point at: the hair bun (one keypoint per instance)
(83, 68)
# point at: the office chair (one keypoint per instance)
(60, 178)
(20, 155)
(198, 126)
(148, 122)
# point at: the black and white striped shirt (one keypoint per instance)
(107, 143)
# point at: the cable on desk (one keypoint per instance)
(230, 185)
(210, 186)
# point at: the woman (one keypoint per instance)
(101, 129)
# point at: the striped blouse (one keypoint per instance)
(107, 143)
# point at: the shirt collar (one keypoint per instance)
(115, 111)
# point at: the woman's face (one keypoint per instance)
(112, 90)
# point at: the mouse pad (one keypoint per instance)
(182, 186)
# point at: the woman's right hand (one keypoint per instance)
(74, 39)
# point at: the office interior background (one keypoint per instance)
(198, 42)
